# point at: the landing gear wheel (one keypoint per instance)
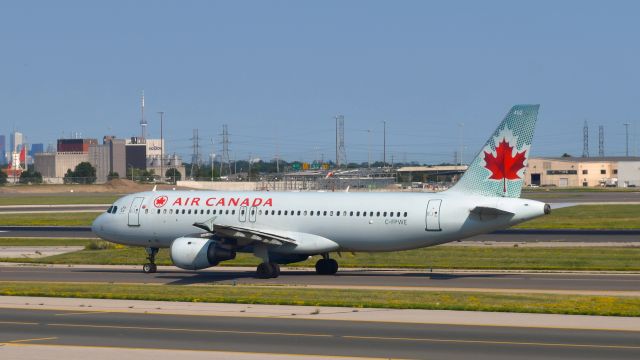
(326, 267)
(149, 268)
(268, 270)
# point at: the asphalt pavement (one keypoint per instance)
(314, 337)
(584, 283)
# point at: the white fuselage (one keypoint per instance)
(354, 221)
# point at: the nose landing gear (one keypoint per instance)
(150, 267)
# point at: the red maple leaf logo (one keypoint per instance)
(160, 201)
(503, 165)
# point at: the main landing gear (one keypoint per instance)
(326, 266)
(150, 267)
(268, 270)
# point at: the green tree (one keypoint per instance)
(84, 173)
(173, 175)
(30, 177)
(3, 178)
(113, 175)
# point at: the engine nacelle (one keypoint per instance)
(196, 253)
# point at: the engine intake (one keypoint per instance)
(196, 253)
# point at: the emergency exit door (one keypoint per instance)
(433, 215)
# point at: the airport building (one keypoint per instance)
(583, 172)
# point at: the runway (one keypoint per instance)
(581, 283)
(313, 337)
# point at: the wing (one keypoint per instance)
(288, 241)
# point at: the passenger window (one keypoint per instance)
(242, 212)
(311, 213)
(398, 213)
(285, 212)
(233, 212)
(378, 213)
(259, 212)
(358, 213)
(318, 213)
(158, 211)
(371, 213)
(351, 213)
(208, 211)
(405, 214)
(344, 213)
(292, 213)
(337, 213)
(201, 211)
(305, 213)
(384, 214)
(279, 212)
(266, 212)
(298, 212)
(391, 213)
(226, 212)
(331, 213)
(324, 213)
(170, 211)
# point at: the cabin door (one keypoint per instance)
(134, 211)
(433, 215)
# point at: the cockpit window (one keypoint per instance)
(115, 208)
(109, 209)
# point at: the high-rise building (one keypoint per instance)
(16, 141)
(3, 152)
(36, 149)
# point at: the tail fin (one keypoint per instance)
(498, 169)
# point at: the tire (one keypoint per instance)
(264, 271)
(147, 268)
(331, 266)
(275, 270)
(321, 267)
(154, 268)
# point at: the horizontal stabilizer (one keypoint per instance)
(486, 211)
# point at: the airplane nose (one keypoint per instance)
(98, 225)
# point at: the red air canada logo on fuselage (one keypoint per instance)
(223, 201)
(160, 201)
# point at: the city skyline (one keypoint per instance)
(278, 72)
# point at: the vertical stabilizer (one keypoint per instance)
(498, 169)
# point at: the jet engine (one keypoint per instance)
(192, 253)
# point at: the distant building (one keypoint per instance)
(583, 172)
(117, 155)
(36, 149)
(3, 151)
(136, 156)
(16, 140)
(75, 145)
(100, 159)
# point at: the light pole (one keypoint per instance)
(384, 144)
(161, 147)
(626, 130)
(369, 152)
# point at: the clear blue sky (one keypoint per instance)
(278, 71)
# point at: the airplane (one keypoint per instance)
(203, 228)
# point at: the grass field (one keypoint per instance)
(589, 217)
(442, 257)
(43, 242)
(49, 219)
(524, 303)
(58, 199)
(576, 217)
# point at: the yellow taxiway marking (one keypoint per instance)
(28, 340)
(190, 330)
(83, 313)
(494, 342)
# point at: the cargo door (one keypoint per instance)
(134, 211)
(433, 215)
